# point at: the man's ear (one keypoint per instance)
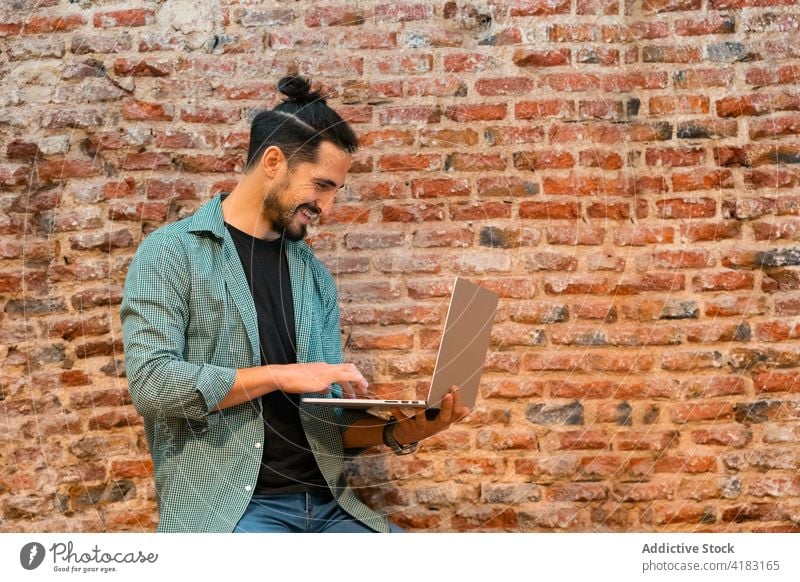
(273, 161)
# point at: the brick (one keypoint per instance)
(491, 87)
(529, 58)
(682, 105)
(723, 281)
(774, 127)
(537, 160)
(787, 306)
(605, 7)
(348, 215)
(508, 238)
(549, 210)
(439, 187)
(124, 18)
(702, 78)
(713, 411)
(641, 236)
(505, 37)
(373, 240)
(569, 235)
(137, 211)
(367, 39)
(51, 24)
(713, 231)
(651, 440)
(412, 212)
(271, 17)
(318, 16)
(468, 62)
(60, 170)
(409, 115)
(604, 56)
(707, 129)
(479, 210)
(697, 180)
(431, 37)
(735, 436)
(339, 264)
(681, 260)
(678, 513)
(538, 312)
(403, 12)
(133, 110)
(505, 186)
(762, 77)
(514, 389)
(775, 331)
(429, 137)
(727, 306)
(629, 285)
(605, 133)
(716, 24)
(146, 161)
(539, 8)
(474, 162)
(443, 237)
(481, 262)
(576, 285)
(131, 468)
(146, 67)
(496, 136)
(471, 113)
(437, 86)
(661, 6)
(780, 280)
(601, 159)
(773, 178)
(403, 64)
(776, 381)
(671, 54)
(506, 439)
(686, 208)
(557, 108)
(209, 115)
(755, 104)
(409, 264)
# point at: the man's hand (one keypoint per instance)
(414, 428)
(319, 377)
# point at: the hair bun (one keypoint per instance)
(298, 90)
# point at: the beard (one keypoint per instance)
(282, 216)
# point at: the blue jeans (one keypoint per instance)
(299, 513)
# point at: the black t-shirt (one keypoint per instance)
(287, 465)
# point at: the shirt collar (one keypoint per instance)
(209, 219)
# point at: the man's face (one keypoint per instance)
(299, 196)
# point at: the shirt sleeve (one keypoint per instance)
(155, 317)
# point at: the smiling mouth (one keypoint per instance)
(310, 216)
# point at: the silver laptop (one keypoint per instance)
(462, 353)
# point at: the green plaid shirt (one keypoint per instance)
(188, 322)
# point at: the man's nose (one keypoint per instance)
(325, 204)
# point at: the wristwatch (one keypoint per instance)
(391, 442)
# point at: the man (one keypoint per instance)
(228, 319)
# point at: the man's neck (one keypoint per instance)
(242, 209)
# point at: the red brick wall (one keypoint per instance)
(623, 173)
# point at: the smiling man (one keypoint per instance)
(228, 319)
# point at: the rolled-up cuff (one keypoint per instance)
(214, 384)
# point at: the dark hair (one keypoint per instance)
(298, 126)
